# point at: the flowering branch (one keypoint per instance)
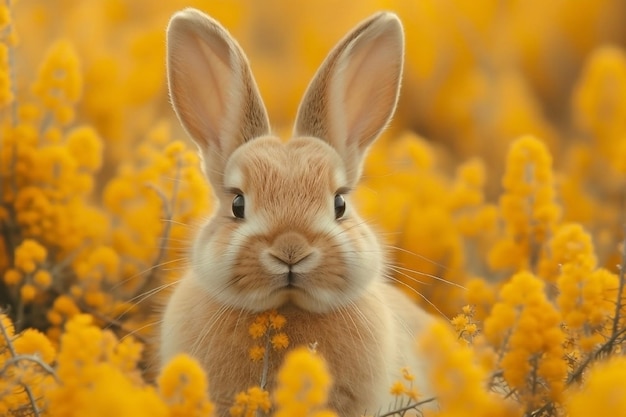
(16, 357)
(29, 358)
(412, 406)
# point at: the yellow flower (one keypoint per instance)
(407, 375)
(526, 327)
(5, 16)
(42, 278)
(303, 384)
(256, 353)
(6, 322)
(280, 341)
(249, 403)
(93, 384)
(31, 341)
(29, 254)
(59, 84)
(12, 276)
(459, 322)
(603, 393)
(277, 321)
(527, 206)
(6, 91)
(586, 300)
(569, 244)
(397, 388)
(481, 296)
(66, 305)
(28, 293)
(183, 386)
(599, 108)
(257, 330)
(85, 146)
(457, 379)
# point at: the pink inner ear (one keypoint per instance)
(200, 72)
(212, 89)
(370, 88)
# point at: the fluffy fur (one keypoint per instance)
(290, 252)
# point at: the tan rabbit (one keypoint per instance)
(285, 235)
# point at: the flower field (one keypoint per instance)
(499, 190)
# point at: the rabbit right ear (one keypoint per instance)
(355, 91)
(212, 89)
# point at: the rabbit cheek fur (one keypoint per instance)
(289, 250)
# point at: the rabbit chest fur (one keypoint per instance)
(365, 345)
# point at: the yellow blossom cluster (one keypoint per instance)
(78, 234)
(251, 402)
(28, 274)
(587, 294)
(465, 324)
(303, 385)
(405, 393)
(7, 36)
(25, 360)
(526, 328)
(95, 375)
(267, 325)
(498, 192)
(183, 386)
(603, 393)
(458, 377)
(527, 205)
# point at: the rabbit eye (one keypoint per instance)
(340, 206)
(239, 205)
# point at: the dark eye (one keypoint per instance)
(340, 206)
(239, 205)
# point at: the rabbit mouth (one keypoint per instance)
(290, 281)
(291, 287)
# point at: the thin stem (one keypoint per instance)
(30, 358)
(19, 317)
(534, 379)
(549, 407)
(29, 392)
(168, 208)
(620, 291)
(606, 347)
(616, 332)
(412, 406)
(112, 322)
(266, 359)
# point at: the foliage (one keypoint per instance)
(503, 216)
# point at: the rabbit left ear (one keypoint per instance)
(212, 88)
(354, 93)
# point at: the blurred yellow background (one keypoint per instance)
(478, 75)
(500, 184)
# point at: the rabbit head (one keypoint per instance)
(284, 229)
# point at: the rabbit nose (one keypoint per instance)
(291, 248)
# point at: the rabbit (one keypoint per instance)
(284, 234)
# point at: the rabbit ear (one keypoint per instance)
(355, 91)
(211, 87)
